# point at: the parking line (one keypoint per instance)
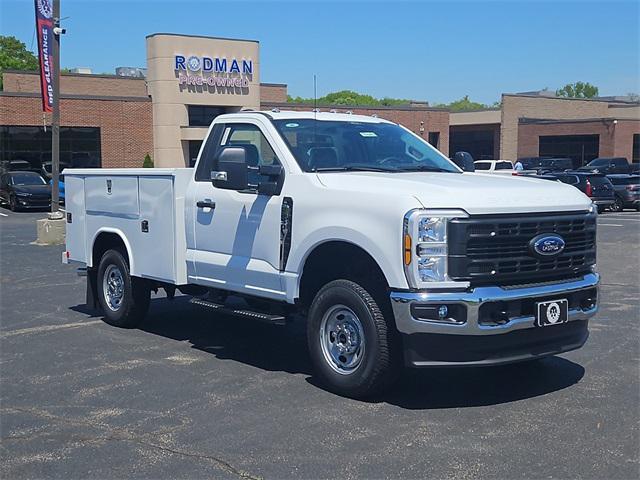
(4, 214)
(609, 225)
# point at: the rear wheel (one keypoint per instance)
(124, 299)
(618, 205)
(351, 344)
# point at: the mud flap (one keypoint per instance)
(92, 289)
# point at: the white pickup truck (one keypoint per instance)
(391, 253)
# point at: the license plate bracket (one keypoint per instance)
(552, 312)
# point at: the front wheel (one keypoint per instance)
(124, 299)
(13, 203)
(351, 344)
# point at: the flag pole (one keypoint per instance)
(55, 117)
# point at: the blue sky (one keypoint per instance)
(434, 51)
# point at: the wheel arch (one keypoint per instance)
(107, 238)
(334, 259)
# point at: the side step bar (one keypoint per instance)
(238, 312)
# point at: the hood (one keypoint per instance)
(33, 189)
(475, 193)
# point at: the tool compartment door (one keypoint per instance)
(155, 238)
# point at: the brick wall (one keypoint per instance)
(623, 136)
(434, 120)
(616, 140)
(273, 93)
(125, 126)
(515, 107)
(78, 84)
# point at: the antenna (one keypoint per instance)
(315, 96)
(315, 107)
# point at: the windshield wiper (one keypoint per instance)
(422, 168)
(354, 168)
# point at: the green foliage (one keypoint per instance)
(349, 97)
(578, 90)
(148, 163)
(15, 56)
(464, 104)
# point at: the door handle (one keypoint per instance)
(206, 204)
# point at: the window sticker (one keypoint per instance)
(292, 125)
(368, 134)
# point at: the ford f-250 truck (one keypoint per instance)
(391, 252)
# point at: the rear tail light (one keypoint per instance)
(633, 188)
(589, 190)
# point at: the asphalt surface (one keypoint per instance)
(191, 395)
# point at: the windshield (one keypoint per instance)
(504, 166)
(320, 145)
(598, 162)
(27, 179)
(482, 165)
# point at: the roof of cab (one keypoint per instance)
(321, 116)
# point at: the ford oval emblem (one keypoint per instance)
(547, 244)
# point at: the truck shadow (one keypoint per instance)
(276, 348)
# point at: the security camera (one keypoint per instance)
(59, 31)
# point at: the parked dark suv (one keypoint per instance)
(24, 190)
(594, 185)
(627, 191)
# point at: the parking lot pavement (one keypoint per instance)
(191, 395)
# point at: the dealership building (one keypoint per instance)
(164, 110)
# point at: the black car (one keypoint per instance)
(594, 185)
(24, 190)
(607, 165)
(627, 191)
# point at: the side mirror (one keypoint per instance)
(273, 184)
(232, 173)
(464, 160)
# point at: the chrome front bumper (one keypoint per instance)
(474, 298)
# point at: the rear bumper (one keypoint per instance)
(493, 324)
(603, 202)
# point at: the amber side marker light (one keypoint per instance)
(407, 249)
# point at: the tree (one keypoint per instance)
(15, 56)
(463, 105)
(349, 97)
(148, 163)
(578, 90)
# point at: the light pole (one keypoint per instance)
(55, 117)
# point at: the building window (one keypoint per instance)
(635, 154)
(194, 149)
(581, 149)
(30, 148)
(479, 143)
(434, 138)
(203, 115)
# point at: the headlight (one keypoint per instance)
(425, 245)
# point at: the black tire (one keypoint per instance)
(135, 292)
(378, 365)
(600, 208)
(13, 203)
(618, 206)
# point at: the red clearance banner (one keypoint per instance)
(44, 25)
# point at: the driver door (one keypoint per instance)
(237, 233)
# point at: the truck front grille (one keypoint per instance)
(496, 248)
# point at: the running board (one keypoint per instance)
(238, 312)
